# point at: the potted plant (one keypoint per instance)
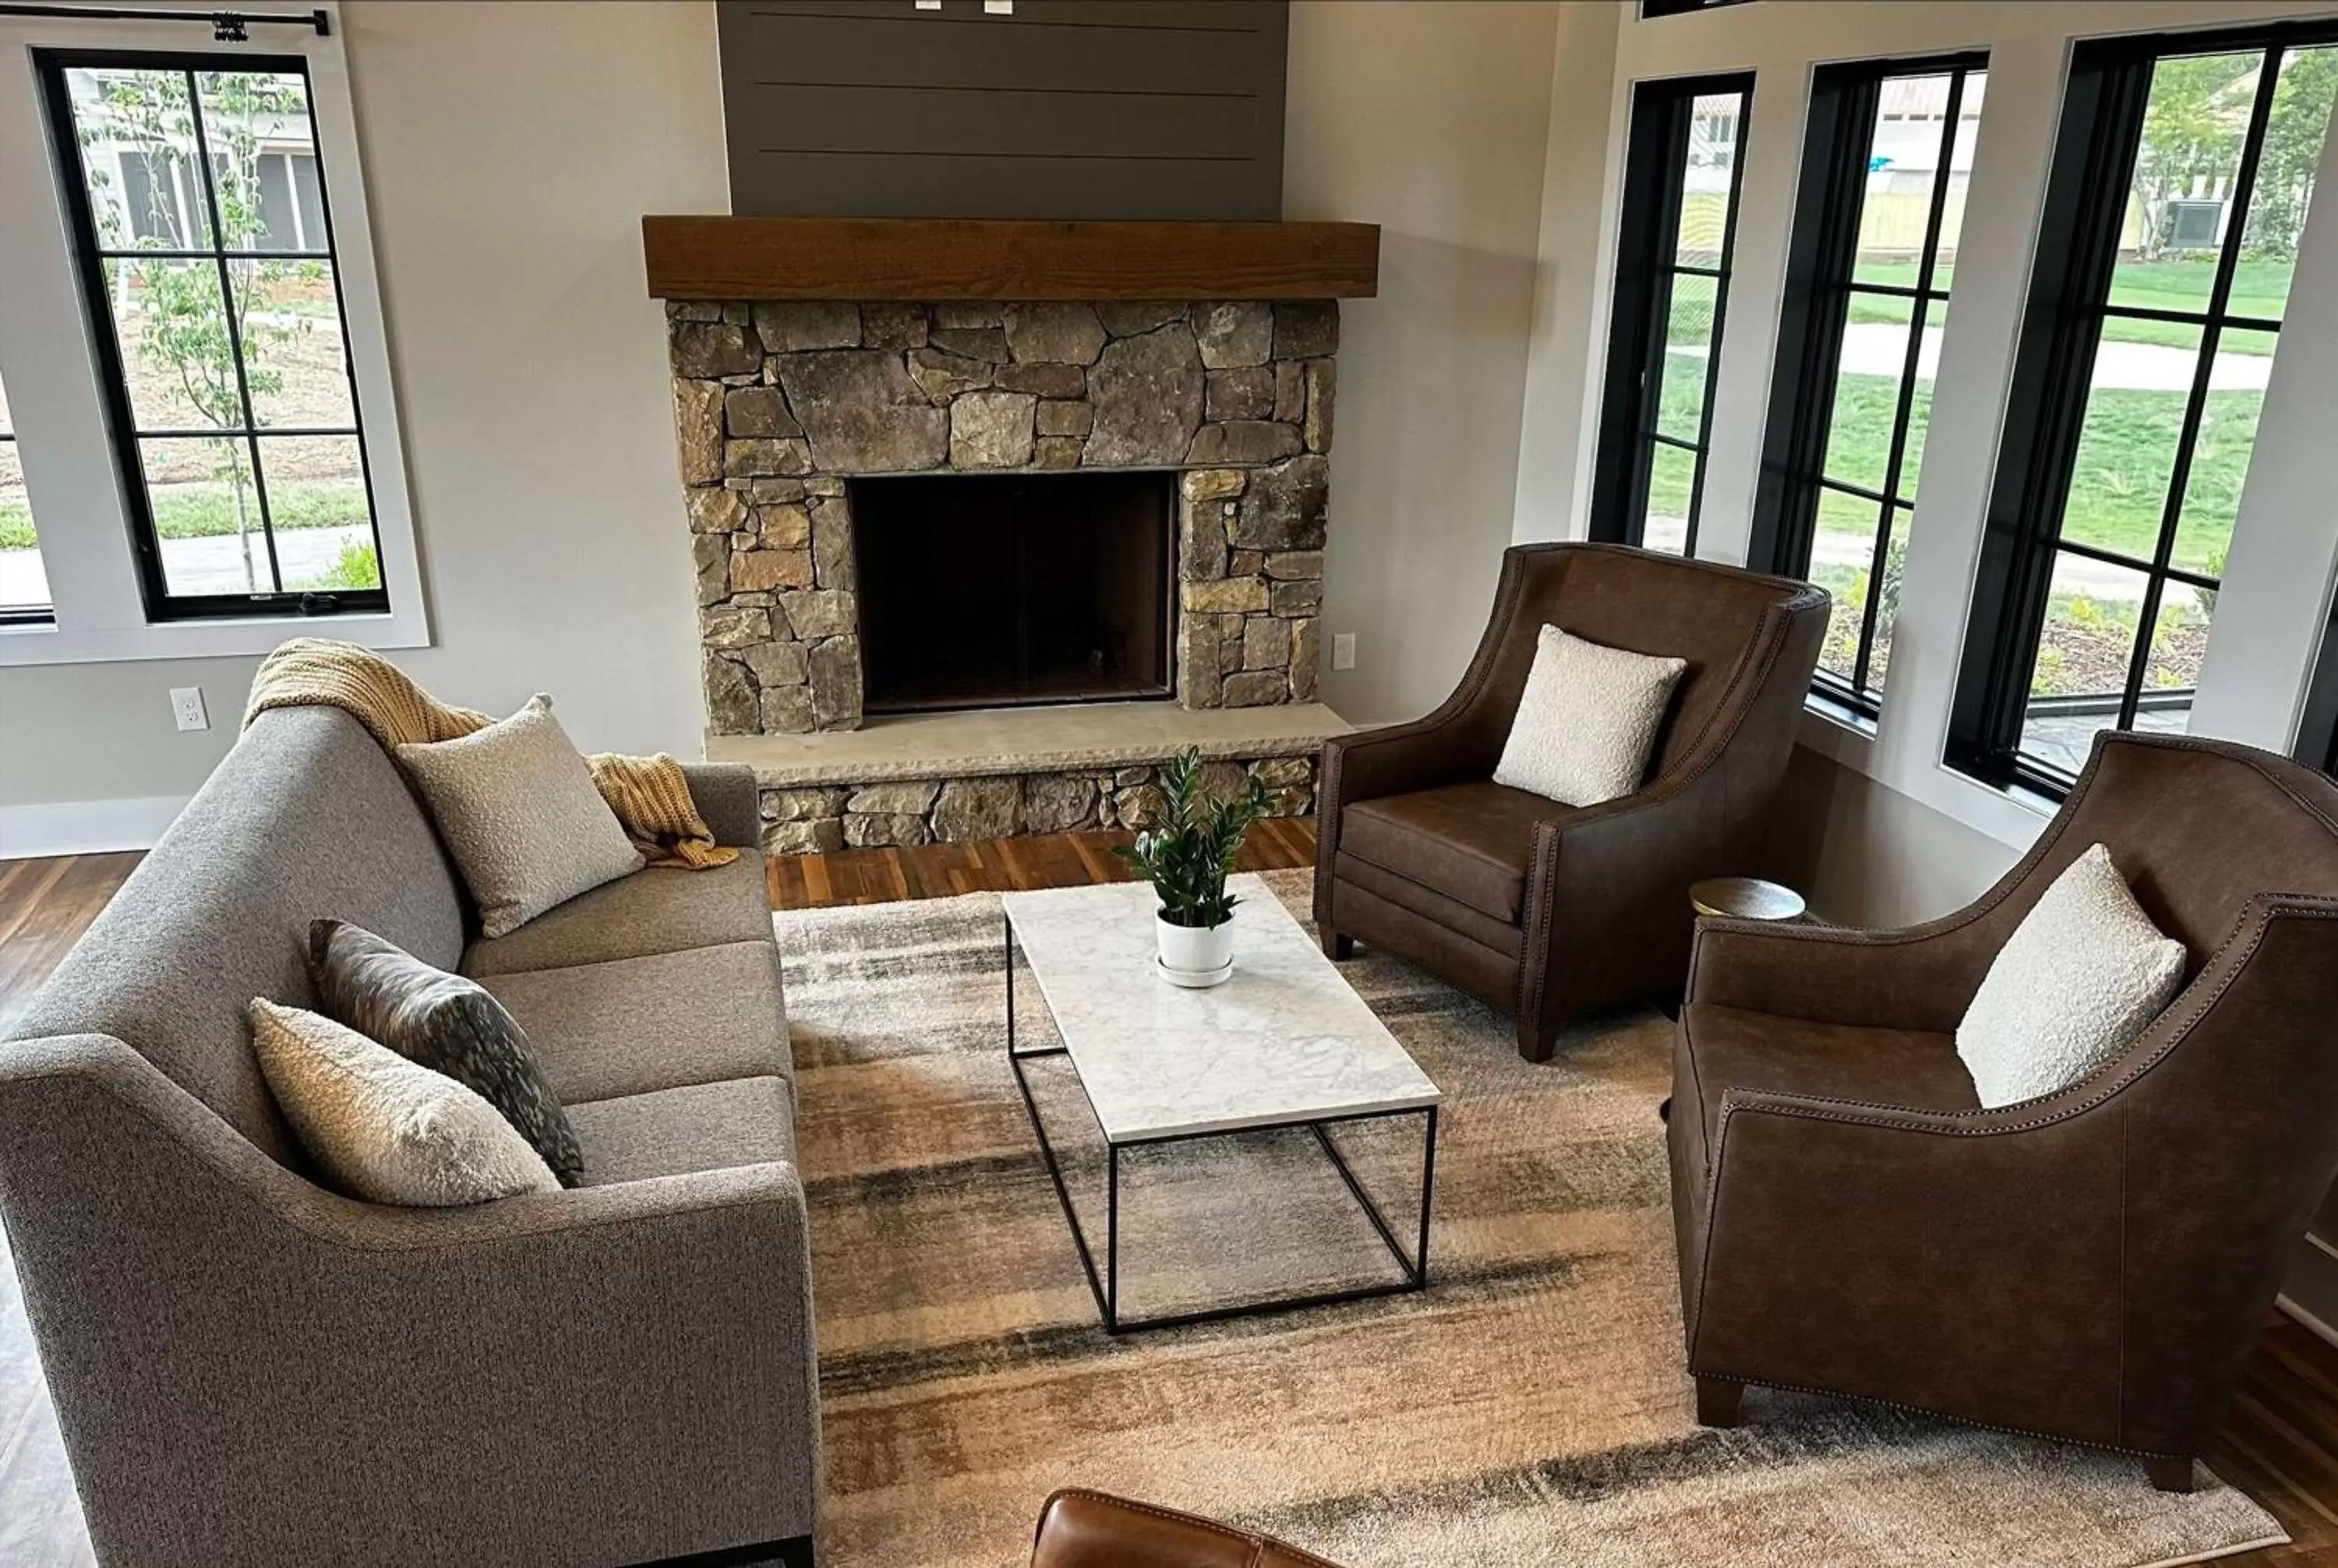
(1185, 853)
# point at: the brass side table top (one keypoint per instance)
(1745, 898)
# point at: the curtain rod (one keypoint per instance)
(226, 27)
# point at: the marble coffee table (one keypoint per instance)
(1286, 1043)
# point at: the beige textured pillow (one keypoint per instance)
(386, 1129)
(2082, 975)
(516, 806)
(1586, 721)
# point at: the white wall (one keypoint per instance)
(510, 156)
(512, 150)
(1910, 836)
(1426, 118)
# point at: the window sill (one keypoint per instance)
(243, 636)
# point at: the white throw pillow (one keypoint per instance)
(2083, 974)
(517, 804)
(1586, 721)
(386, 1129)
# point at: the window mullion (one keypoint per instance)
(234, 323)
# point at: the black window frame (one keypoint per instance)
(89, 255)
(1822, 262)
(2095, 149)
(1648, 259)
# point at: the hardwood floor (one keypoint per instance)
(2280, 1445)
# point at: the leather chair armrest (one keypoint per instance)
(1091, 1530)
(725, 795)
(1920, 977)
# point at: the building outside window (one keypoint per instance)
(212, 281)
(1887, 160)
(1677, 237)
(2184, 170)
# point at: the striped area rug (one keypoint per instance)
(1529, 1409)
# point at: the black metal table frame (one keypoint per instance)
(1106, 1286)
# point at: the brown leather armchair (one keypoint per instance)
(2095, 1265)
(1091, 1530)
(1545, 910)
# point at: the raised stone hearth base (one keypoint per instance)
(954, 777)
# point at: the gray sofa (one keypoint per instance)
(251, 1369)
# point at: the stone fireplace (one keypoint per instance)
(992, 517)
(792, 415)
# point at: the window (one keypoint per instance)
(1652, 9)
(2182, 174)
(205, 252)
(1887, 158)
(24, 584)
(1679, 225)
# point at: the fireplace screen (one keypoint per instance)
(996, 590)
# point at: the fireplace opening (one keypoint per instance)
(1010, 589)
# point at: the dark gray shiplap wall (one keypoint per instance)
(1065, 109)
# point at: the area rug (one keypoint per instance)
(1529, 1409)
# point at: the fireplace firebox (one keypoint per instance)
(981, 591)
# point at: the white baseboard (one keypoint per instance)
(85, 827)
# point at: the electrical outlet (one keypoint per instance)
(187, 707)
(1343, 650)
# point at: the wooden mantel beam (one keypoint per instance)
(721, 258)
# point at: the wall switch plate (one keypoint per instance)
(1343, 650)
(187, 707)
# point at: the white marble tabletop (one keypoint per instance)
(1285, 1040)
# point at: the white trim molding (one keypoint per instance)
(86, 827)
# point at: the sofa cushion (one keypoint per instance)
(1468, 841)
(1726, 1048)
(697, 1127)
(386, 1129)
(632, 1025)
(518, 810)
(664, 909)
(446, 1022)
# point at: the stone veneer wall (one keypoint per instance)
(816, 819)
(778, 403)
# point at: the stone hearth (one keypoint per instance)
(778, 403)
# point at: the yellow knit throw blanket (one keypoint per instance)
(650, 795)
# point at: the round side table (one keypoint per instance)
(1745, 898)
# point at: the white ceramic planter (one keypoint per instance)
(1195, 956)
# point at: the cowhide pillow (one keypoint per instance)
(445, 1022)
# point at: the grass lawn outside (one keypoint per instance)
(2260, 289)
(208, 511)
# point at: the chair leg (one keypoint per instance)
(1537, 1041)
(1338, 946)
(2171, 1474)
(1717, 1402)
